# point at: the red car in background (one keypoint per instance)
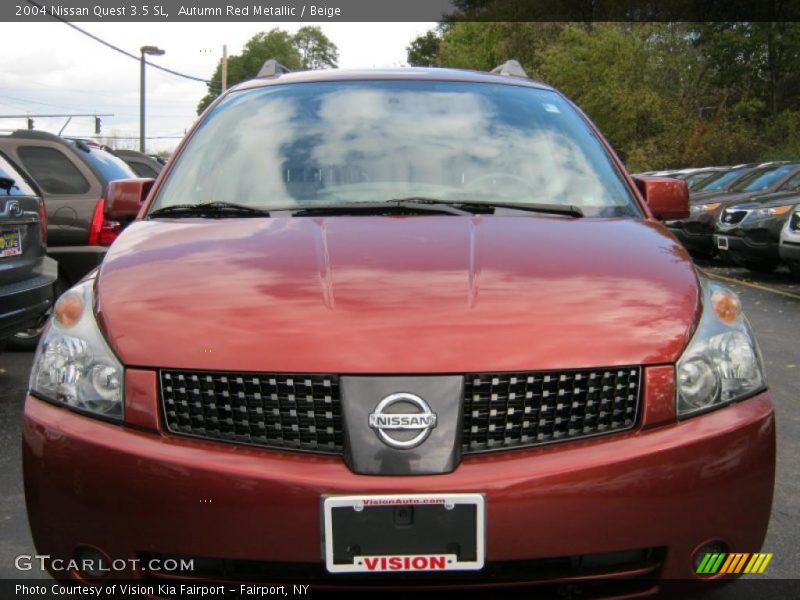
(410, 327)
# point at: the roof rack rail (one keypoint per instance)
(272, 68)
(511, 68)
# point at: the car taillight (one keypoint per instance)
(43, 221)
(102, 232)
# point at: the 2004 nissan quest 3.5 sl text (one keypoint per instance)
(368, 323)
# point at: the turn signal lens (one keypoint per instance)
(774, 211)
(68, 309)
(726, 305)
(701, 208)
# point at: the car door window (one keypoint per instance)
(52, 170)
(12, 182)
(143, 170)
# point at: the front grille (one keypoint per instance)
(733, 217)
(303, 412)
(507, 410)
(630, 565)
(300, 412)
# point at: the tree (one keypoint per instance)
(423, 51)
(316, 50)
(666, 94)
(309, 48)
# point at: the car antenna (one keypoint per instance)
(272, 68)
(511, 68)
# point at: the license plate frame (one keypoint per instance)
(421, 561)
(7, 251)
(722, 242)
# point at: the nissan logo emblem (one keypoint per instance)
(13, 208)
(405, 427)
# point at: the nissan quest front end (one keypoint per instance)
(413, 327)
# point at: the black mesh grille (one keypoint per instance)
(301, 412)
(506, 410)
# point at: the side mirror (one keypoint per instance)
(667, 198)
(125, 197)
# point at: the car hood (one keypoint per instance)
(767, 200)
(724, 197)
(419, 294)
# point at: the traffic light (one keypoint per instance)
(97, 124)
(30, 123)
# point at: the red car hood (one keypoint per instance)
(427, 294)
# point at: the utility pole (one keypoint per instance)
(224, 67)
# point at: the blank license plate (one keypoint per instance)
(10, 243)
(409, 532)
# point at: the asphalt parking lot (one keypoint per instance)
(772, 304)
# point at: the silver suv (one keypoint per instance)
(790, 242)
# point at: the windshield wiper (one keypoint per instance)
(567, 210)
(414, 204)
(420, 204)
(209, 209)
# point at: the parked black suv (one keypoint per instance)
(697, 232)
(749, 232)
(27, 275)
(73, 176)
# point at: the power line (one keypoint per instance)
(49, 116)
(25, 102)
(120, 50)
(133, 137)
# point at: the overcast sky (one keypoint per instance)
(51, 68)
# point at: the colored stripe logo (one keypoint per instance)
(733, 563)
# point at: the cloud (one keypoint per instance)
(61, 70)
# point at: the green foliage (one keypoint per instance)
(664, 94)
(316, 50)
(309, 48)
(424, 50)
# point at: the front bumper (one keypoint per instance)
(24, 304)
(133, 491)
(743, 248)
(695, 237)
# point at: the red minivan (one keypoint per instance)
(411, 327)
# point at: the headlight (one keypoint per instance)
(701, 208)
(774, 210)
(73, 364)
(722, 363)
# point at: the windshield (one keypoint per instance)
(108, 165)
(312, 144)
(697, 179)
(763, 180)
(722, 181)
